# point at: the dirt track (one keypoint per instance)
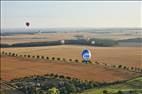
(12, 67)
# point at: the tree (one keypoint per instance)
(9, 53)
(29, 56)
(119, 92)
(58, 59)
(53, 90)
(33, 56)
(37, 56)
(77, 60)
(61, 76)
(25, 56)
(53, 58)
(68, 77)
(63, 90)
(70, 87)
(56, 75)
(70, 60)
(33, 90)
(42, 57)
(13, 54)
(51, 74)
(41, 92)
(6, 53)
(47, 57)
(105, 92)
(124, 67)
(132, 68)
(120, 66)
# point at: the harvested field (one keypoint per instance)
(23, 38)
(128, 56)
(13, 67)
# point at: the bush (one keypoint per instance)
(13, 54)
(119, 92)
(132, 68)
(25, 55)
(53, 90)
(76, 60)
(120, 66)
(68, 77)
(124, 67)
(53, 58)
(63, 90)
(58, 59)
(29, 56)
(42, 57)
(70, 60)
(47, 57)
(105, 92)
(61, 76)
(9, 53)
(37, 56)
(70, 87)
(51, 74)
(56, 75)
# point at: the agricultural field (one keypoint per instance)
(132, 86)
(105, 72)
(128, 56)
(13, 67)
(55, 35)
(52, 47)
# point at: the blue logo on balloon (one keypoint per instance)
(86, 55)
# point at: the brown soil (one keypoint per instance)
(13, 67)
(128, 56)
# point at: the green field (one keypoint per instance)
(133, 86)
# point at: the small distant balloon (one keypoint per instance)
(92, 42)
(27, 24)
(62, 41)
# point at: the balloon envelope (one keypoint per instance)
(86, 54)
(27, 24)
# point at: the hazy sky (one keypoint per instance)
(44, 14)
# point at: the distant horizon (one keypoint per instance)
(79, 28)
(66, 29)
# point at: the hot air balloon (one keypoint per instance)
(86, 55)
(92, 42)
(27, 24)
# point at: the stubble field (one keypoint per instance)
(13, 67)
(128, 56)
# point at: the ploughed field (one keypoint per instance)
(127, 56)
(15, 67)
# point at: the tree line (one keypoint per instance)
(97, 42)
(132, 69)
